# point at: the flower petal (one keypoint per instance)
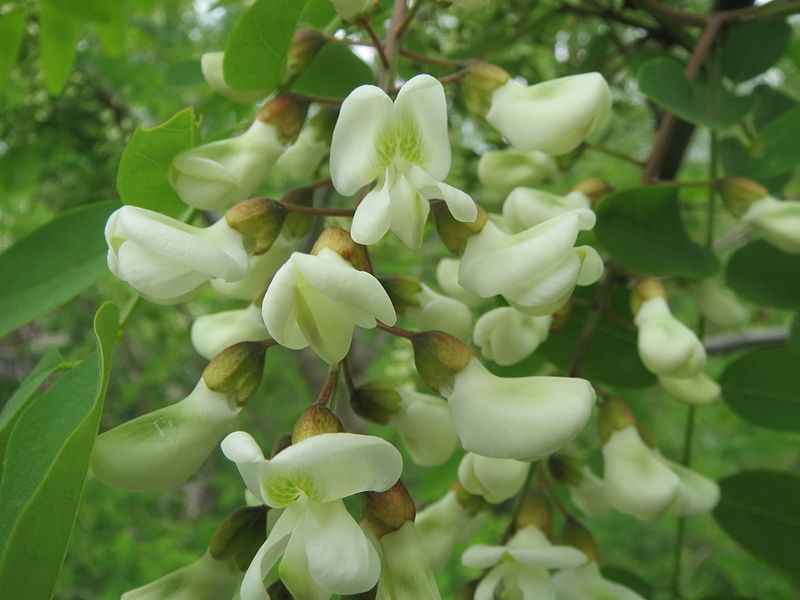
(482, 556)
(409, 212)
(240, 448)
(279, 310)
(372, 218)
(267, 555)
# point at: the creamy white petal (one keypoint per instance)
(527, 207)
(534, 584)
(425, 427)
(279, 309)
(507, 336)
(294, 571)
(777, 221)
(440, 526)
(447, 278)
(696, 493)
(490, 581)
(240, 448)
(409, 211)
(204, 579)
(211, 65)
(253, 583)
(261, 268)
(667, 346)
(495, 479)
(405, 573)
(586, 582)
(438, 312)
(504, 170)
(373, 217)
(482, 556)
(698, 389)
(590, 494)
(211, 334)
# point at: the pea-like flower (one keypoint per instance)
(404, 145)
(447, 278)
(317, 300)
(166, 260)
(495, 479)
(506, 336)
(324, 550)
(667, 346)
(262, 267)
(425, 427)
(211, 334)
(526, 207)
(504, 170)
(553, 116)
(444, 523)
(536, 270)
(698, 389)
(437, 311)
(777, 221)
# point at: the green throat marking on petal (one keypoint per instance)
(400, 138)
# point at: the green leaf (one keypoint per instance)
(53, 264)
(101, 11)
(18, 401)
(750, 49)
(764, 275)
(255, 57)
(59, 33)
(142, 174)
(759, 509)
(334, 72)
(776, 149)
(112, 33)
(45, 469)
(12, 28)
(642, 230)
(761, 387)
(794, 332)
(318, 13)
(664, 82)
(612, 357)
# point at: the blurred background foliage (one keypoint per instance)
(60, 146)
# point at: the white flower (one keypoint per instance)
(447, 278)
(425, 427)
(405, 572)
(504, 170)
(667, 346)
(553, 116)
(495, 479)
(586, 583)
(535, 270)
(352, 10)
(324, 550)
(166, 260)
(637, 481)
(204, 579)
(698, 389)
(696, 493)
(778, 222)
(441, 526)
(719, 304)
(211, 334)
(436, 311)
(506, 336)
(302, 158)
(589, 494)
(405, 147)
(521, 565)
(216, 176)
(260, 270)
(211, 65)
(526, 207)
(523, 417)
(318, 301)
(164, 447)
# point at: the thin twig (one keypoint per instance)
(348, 375)
(376, 42)
(325, 100)
(398, 331)
(723, 343)
(615, 154)
(412, 12)
(328, 391)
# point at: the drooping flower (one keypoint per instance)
(719, 304)
(404, 145)
(494, 479)
(447, 278)
(535, 270)
(695, 390)
(442, 524)
(425, 427)
(777, 221)
(211, 334)
(204, 579)
(324, 550)
(504, 170)
(506, 336)
(526, 207)
(553, 116)
(317, 300)
(261, 269)
(437, 311)
(521, 565)
(211, 65)
(166, 260)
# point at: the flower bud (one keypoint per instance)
(339, 240)
(385, 512)
(211, 65)
(297, 225)
(536, 511)
(494, 479)
(403, 291)
(553, 116)
(593, 188)
(576, 535)
(740, 193)
(376, 401)
(644, 290)
(447, 278)
(237, 370)
(504, 170)
(305, 46)
(696, 390)
(257, 218)
(777, 221)
(211, 334)
(286, 113)
(615, 415)
(164, 447)
(527, 207)
(453, 233)
(204, 579)
(240, 536)
(439, 357)
(315, 420)
(478, 83)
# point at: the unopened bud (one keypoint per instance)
(593, 188)
(376, 401)
(296, 224)
(454, 234)
(576, 535)
(237, 369)
(559, 318)
(315, 420)
(257, 218)
(281, 444)
(339, 240)
(286, 113)
(403, 291)
(646, 289)
(537, 511)
(739, 193)
(388, 511)
(305, 46)
(478, 83)
(439, 357)
(615, 415)
(566, 469)
(240, 536)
